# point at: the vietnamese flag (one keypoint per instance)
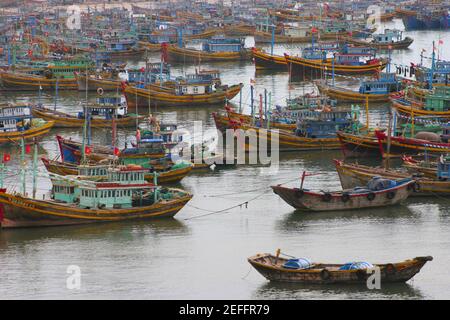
(87, 150)
(27, 149)
(116, 151)
(314, 30)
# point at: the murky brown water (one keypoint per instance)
(205, 258)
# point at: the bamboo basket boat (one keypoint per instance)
(20, 212)
(167, 98)
(27, 82)
(266, 61)
(177, 54)
(271, 268)
(64, 120)
(302, 66)
(348, 199)
(352, 175)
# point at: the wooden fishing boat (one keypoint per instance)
(101, 117)
(389, 40)
(377, 193)
(273, 269)
(374, 91)
(239, 30)
(358, 145)
(176, 98)
(167, 176)
(177, 54)
(225, 121)
(314, 131)
(299, 66)
(352, 175)
(21, 82)
(150, 47)
(264, 60)
(17, 123)
(435, 104)
(79, 202)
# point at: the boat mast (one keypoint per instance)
(433, 56)
(22, 166)
(35, 161)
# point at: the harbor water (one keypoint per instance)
(202, 252)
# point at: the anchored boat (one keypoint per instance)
(300, 270)
(378, 193)
(17, 122)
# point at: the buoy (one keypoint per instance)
(100, 91)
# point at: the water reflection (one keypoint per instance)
(300, 291)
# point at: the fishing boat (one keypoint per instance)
(265, 60)
(110, 80)
(214, 49)
(57, 75)
(186, 92)
(17, 122)
(388, 40)
(379, 90)
(101, 115)
(435, 104)
(350, 61)
(169, 174)
(315, 130)
(281, 117)
(378, 192)
(353, 174)
(124, 196)
(300, 270)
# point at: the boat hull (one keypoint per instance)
(183, 55)
(144, 97)
(310, 201)
(346, 95)
(271, 268)
(23, 82)
(34, 132)
(22, 212)
(266, 61)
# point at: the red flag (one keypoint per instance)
(441, 41)
(138, 135)
(6, 157)
(27, 148)
(87, 150)
(116, 151)
(314, 30)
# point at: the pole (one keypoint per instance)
(367, 112)
(430, 81)
(35, 162)
(272, 42)
(389, 140)
(240, 101)
(56, 92)
(251, 105)
(270, 108)
(22, 165)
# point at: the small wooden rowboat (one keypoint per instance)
(357, 198)
(272, 268)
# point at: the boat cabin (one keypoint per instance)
(15, 118)
(220, 44)
(314, 124)
(443, 167)
(387, 83)
(389, 36)
(439, 100)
